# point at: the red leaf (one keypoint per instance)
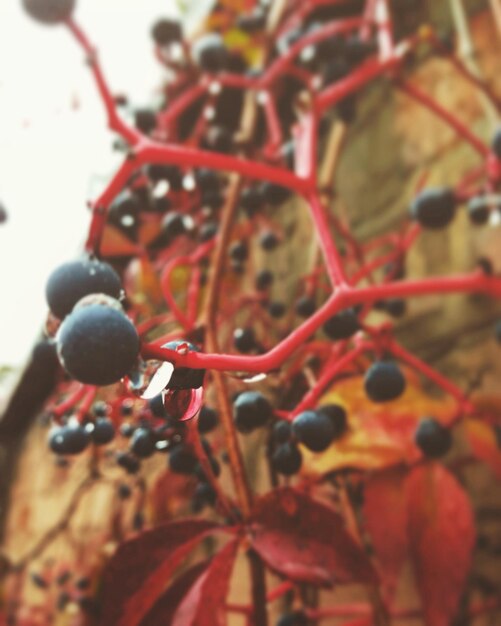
(306, 540)
(164, 609)
(140, 569)
(204, 604)
(385, 511)
(441, 539)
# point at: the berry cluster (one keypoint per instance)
(242, 132)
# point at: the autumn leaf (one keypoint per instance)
(141, 568)
(379, 435)
(385, 514)
(306, 540)
(484, 445)
(441, 538)
(205, 603)
(165, 607)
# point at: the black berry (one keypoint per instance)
(49, 11)
(207, 419)
(143, 443)
(103, 431)
(287, 459)
(68, 439)
(97, 344)
(251, 410)
(185, 377)
(342, 325)
(305, 306)
(384, 381)
(314, 429)
(166, 31)
(433, 439)
(210, 53)
(73, 280)
(244, 340)
(337, 415)
(434, 208)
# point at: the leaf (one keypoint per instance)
(484, 445)
(140, 569)
(385, 513)
(306, 541)
(164, 609)
(204, 604)
(379, 435)
(441, 539)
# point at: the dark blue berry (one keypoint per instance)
(287, 459)
(143, 443)
(207, 419)
(251, 410)
(384, 381)
(342, 325)
(433, 439)
(97, 344)
(282, 431)
(314, 429)
(74, 280)
(434, 208)
(49, 11)
(103, 431)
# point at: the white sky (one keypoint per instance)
(53, 157)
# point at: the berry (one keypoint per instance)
(3, 214)
(244, 340)
(252, 22)
(496, 143)
(282, 431)
(143, 443)
(145, 120)
(73, 280)
(342, 325)
(239, 251)
(103, 431)
(207, 419)
(169, 173)
(68, 439)
(49, 11)
(185, 377)
(210, 53)
(305, 306)
(434, 208)
(215, 467)
(124, 492)
(208, 231)
(207, 180)
(129, 462)
(219, 139)
(181, 460)
(251, 410)
(157, 407)
(384, 381)
(314, 429)
(433, 439)
(166, 31)
(127, 430)
(396, 307)
(287, 459)
(264, 279)
(277, 309)
(252, 200)
(275, 194)
(124, 212)
(298, 618)
(97, 344)
(100, 409)
(337, 415)
(204, 496)
(478, 211)
(268, 241)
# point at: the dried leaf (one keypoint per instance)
(378, 435)
(141, 568)
(204, 604)
(385, 513)
(306, 541)
(484, 444)
(164, 609)
(441, 539)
